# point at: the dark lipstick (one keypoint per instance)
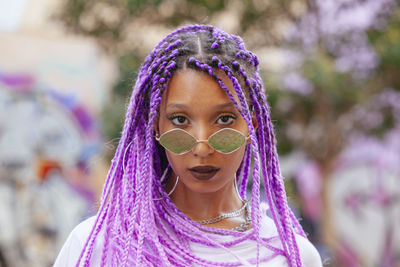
(204, 172)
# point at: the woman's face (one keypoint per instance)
(195, 103)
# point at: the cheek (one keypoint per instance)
(235, 159)
(241, 154)
(176, 161)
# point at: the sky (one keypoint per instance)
(11, 13)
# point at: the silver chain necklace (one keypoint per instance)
(245, 225)
(232, 214)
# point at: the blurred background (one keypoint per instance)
(332, 75)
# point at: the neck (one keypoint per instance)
(202, 206)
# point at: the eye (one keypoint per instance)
(178, 120)
(226, 119)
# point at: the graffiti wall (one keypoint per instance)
(46, 142)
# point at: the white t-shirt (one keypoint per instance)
(73, 246)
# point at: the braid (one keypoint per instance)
(278, 186)
(244, 176)
(275, 185)
(142, 229)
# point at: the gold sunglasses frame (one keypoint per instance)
(200, 141)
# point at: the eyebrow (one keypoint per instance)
(183, 106)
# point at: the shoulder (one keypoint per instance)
(83, 229)
(72, 247)
(308, 252)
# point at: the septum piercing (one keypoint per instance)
(161, 180)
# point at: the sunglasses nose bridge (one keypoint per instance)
(202, 147)
(200, 135)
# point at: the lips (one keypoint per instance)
(204, 172)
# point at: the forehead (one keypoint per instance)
(197, 89)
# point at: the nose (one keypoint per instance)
(202, 148)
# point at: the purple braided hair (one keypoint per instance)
(143, 230)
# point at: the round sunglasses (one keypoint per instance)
(179, 141)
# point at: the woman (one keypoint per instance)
(176, 194)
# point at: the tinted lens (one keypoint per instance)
(226, 140)
(177, 141)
